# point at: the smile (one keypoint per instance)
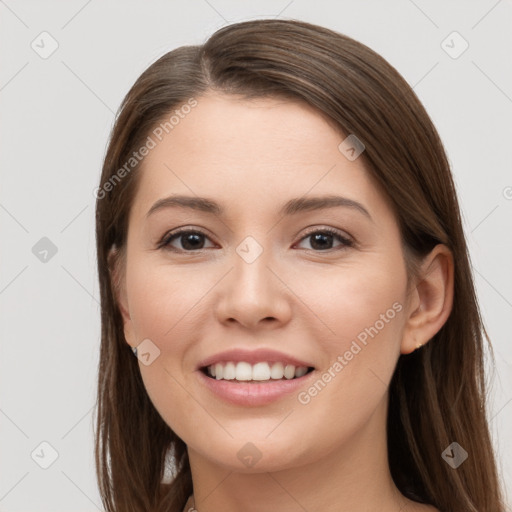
(258, 372)
(255, 377)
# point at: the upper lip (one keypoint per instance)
(252, 357)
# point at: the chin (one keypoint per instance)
(257, 456)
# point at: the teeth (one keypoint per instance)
(260, 371)
(243, 371)
(289, 371)
(263, 371)
(300, 371)
(229, 371)
(277, 371)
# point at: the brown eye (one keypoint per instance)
(323, 239)
(188, 239)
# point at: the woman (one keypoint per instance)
(279, 243)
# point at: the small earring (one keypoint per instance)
(134, 350)
(418, 345)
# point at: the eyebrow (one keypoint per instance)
(292, 207)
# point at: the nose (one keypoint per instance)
(253, 295)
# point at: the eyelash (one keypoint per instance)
(169, 237)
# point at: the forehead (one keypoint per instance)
(242, 128)
(250, 152)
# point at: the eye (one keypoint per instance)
(194, 240)
(190, 240)
(322, 239)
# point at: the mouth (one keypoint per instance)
(258, 373)
(254, 378)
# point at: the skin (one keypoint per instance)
(251, 157)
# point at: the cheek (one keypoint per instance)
(350, 299)
(364, 307)
(162, 301)
(165, 307)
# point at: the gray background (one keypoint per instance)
(56, 116)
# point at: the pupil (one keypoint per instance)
(196, 240)
(318, 238)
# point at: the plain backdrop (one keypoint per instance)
(57, 110)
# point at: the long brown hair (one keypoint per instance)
(437, 394)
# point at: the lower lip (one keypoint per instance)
(252, 394)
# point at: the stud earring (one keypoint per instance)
(134, 350)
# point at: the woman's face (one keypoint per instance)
(268, 269)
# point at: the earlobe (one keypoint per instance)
(433, 299)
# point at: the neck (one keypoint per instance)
(352, 477)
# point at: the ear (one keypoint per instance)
(431, 299)
(116, 265)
